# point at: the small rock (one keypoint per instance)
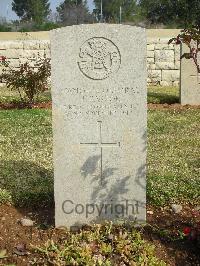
(150, 212)
(26, 222)
(3, 219)
(176, 208)
(20, 250)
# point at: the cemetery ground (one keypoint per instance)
(26, 191)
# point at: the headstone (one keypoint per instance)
(190, 80)
(99, 123)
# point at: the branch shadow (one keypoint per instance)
(113, 193)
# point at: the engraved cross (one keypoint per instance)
(101, 144)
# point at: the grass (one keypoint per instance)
(173, 156)
(156, 95)
(26, 178)
(162, 95)
(26, 170)
(26, 156)
(8, 96)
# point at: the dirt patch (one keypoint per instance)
(18, 241)
(176, 106)
(10, 106)
(48, 105)
(164, 231)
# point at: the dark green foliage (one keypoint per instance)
(31, 10)
(181, 12)
(4, 28)
(111, 9)
(40, 10)
(27, 80)
(31, 27)
(22, 9)
(74, 12)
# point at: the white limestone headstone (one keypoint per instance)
(99, 123)
(190, 80)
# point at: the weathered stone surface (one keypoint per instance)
(164, 55)
(31, 45)
(150, 47)
(150, 54)
(12, 53)
(33, 48)
(164, 65)
(153, 40)
(26, 222)
(151, 66)
(99, 122)
(164, 40)
(44, 45)
(176, 83)
(161, 46)
(170, 75)
(177, 52)
(14, 62)
(30, 54)
(155, 75)
(150, 60)
(190, 81)
(177, 65)
(177, 208)
(11, 45)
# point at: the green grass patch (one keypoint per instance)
(173, 156)
(12, 96)
(161, 95)
(26, 156)
(26, 168)
(156, 95)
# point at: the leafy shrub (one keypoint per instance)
(46, 26)
(5, 28)
(29, 80)
(5, 196)
(29, 27)
(99, 245)
(190, 37)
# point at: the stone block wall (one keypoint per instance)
(163, 60)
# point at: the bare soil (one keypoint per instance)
(19, 241)
(48, 105)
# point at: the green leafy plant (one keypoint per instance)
(5, 196)
(98, 245)
(3, 254)
(28, 80)
(191, 38)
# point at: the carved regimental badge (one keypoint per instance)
(99, 58)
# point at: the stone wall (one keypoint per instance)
(163, 60)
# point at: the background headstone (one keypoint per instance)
(190, 80)
(99, 123)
